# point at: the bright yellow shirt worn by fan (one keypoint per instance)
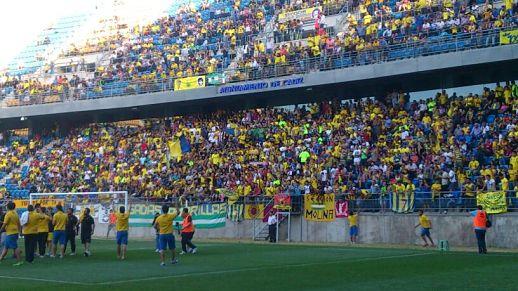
(122, 221)
(31, 227)
(165, 223)
(60, 221)
(11, 222)
(424, 221)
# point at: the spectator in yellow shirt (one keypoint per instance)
(426, 225)
(59, 221)
(164, 225)
(122, 227)
(353, 226)
(30, 233)
(11, 226)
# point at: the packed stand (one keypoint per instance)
(440, 147)
(430, 25)
(206, 39)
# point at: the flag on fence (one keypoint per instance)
(403, 202)
(319, 207)
(254, 211)
(342, 208)
(282, 201)
(235, 212)
(493, 202)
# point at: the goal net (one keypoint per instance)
(100, 203)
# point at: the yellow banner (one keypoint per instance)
(302, 14)
(188, 83)
(509, 37)
(43, 202)
(493, 202)
(319, 207)
(254, 211)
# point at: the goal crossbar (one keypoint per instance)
(36, 195)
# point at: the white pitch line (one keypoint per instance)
(259, 269)
(44, 280)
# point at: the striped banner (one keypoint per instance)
(204, 216)
(403, 202)
(200, 221)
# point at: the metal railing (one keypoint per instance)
(454, 201)
(430, 201)
(326, 61)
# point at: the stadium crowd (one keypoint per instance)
(365, 148)
(206, 39)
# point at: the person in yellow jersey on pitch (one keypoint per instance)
(426, 225)
(12, 228)
(30, 233)
(43, 229)
(122, 232)
(353, 226)
(164, 225)
(59, 221)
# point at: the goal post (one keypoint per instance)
(115, 195)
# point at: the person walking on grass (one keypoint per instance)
(30, 233)
(71, 231)
(426, 225)
(87, 230)
(187, 233)
(164, 225)
(112, 221)
(43, 229)
(157, 233)
(353, 226)
(12, 227)
(480, 224)
(59, 222)
(3, 235)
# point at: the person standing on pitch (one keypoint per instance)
(87, 230)
(71, 231)
(353, 226)
(43, 229)
(480, 227)
(164, 225)
(426, 225)
(112, 220)
(3, 235)
(272, 227)
(122, 227)
(12, 228)
(187, 232)
(157, 234)
(30, 233)
(59, 222)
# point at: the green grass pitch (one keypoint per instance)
(248, 266)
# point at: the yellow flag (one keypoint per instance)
(254, 211)
(175, 150)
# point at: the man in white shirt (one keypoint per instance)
(272, 227)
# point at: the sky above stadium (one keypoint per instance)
(22, 20)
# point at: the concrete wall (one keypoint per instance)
(374, 228)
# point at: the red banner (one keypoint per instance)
(342, 209)
(282, 202)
